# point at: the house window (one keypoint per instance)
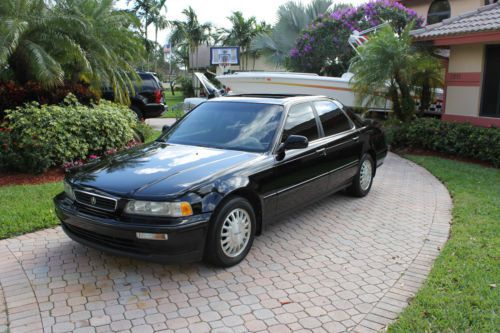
(489, 2)
(490, 103)
(438, 11)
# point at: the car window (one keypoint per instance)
(301, 121)
(228, 125)
(148, 82)
(332, 118)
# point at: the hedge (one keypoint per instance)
(13, 95)
(459, 139)
(36, 137)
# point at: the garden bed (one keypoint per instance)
(17, 178)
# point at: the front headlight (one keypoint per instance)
(155, 208)
(69, 191)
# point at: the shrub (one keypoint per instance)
(13, 95)
(186, 86)
(460, 139)
(41, 136)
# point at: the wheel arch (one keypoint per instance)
(254, 200)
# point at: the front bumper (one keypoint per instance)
(185, 242)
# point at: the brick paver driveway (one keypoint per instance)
(344, 264)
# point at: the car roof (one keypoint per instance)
(267, 99)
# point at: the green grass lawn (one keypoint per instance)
(26, 208)
(153, 135)
(461, 293)
(171, 101)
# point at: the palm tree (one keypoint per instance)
(150, 12)
(388, 64)
(75, 40)
(293, 17)
(111, 47)
(28, 32)
(242, 32)
(190, 32)
(429, 75)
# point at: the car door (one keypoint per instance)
(342, 143)
(298, 177)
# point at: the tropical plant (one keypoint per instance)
(323, 46)
(190, 33)
(71, 40)
(428, 76)
(40, 136)
(150, 12)
(241, 34)
(386, 66)
(293, 17)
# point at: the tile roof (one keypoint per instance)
(486, 18)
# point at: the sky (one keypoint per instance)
(216, 11)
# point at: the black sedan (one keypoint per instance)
(214, 180)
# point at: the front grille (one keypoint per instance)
(96, 201)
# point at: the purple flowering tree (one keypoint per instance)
(323, 46)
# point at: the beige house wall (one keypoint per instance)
(464, 100)
(457, 6)
(466, 58)
(461, 6)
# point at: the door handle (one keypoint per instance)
(355, 139)
(321, 151)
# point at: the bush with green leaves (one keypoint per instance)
(37, 137)
(459, 139)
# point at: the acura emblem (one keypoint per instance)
(92, 201)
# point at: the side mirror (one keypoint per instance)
(165, 128)
(292, 142)
(296, 142)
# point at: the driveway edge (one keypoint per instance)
(21, 313)
(411, 280)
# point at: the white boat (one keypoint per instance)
(296, 83)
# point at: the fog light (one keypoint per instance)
(149, 236)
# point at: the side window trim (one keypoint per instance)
(319, 128)
(321, 131)
(340, 106)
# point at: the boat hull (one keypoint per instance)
(338, 88)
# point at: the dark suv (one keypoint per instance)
(148, 100)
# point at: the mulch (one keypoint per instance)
(423, 152)
(11, 178)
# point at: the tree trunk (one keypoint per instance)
(425, 96)
(156, 43)
(396, 106)
(407, 103)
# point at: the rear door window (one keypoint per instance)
(301, 121)
(333, 120)
(148, 82)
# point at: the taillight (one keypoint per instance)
(157, 96)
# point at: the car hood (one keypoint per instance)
(159, 170)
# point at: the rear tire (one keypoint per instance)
(362, 182)
(231, 233)
(138, 112)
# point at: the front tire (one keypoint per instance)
(231, 233)
(362, 182)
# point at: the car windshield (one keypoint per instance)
(228, 125)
